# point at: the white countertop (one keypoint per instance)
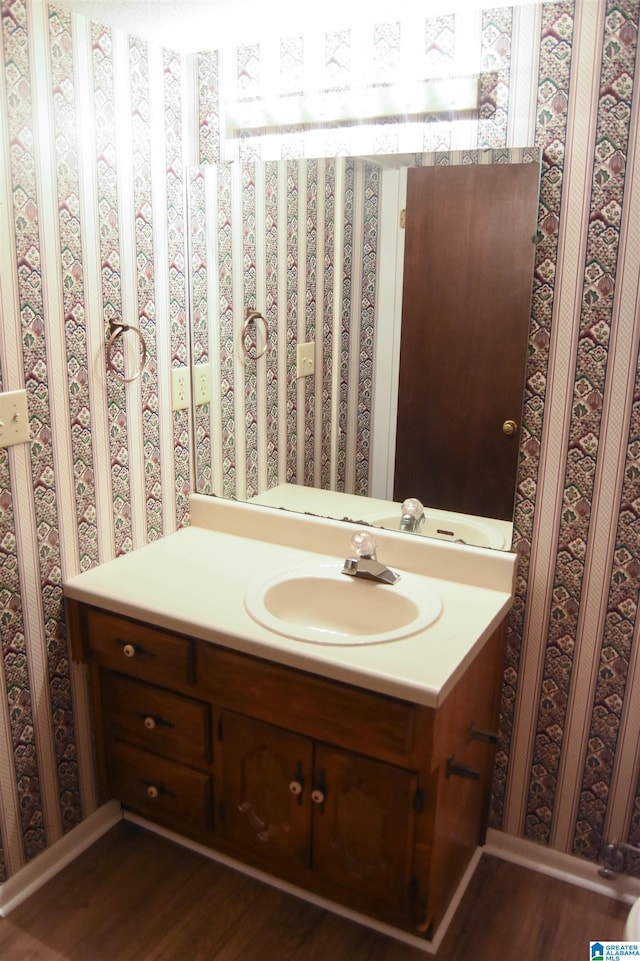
(194, 581)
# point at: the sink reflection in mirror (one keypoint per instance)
(442, 525)
(322, 606)
(456, 530)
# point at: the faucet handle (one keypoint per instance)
(363, 544)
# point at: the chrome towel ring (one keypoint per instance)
(118, 330)
(253, 316)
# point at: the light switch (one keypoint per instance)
(306, 360)
(14, 418)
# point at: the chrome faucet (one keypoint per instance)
(412, 517)
(365, 563)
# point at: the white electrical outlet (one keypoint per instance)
(14, 418)
(179, 388)
(201, 374)
(306, 358)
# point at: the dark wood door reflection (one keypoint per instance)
(469, 257)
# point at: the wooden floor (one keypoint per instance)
(135, 896)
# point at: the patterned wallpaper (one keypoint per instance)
(297, 240)
(92, 229)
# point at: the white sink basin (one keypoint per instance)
(323, 606)
(454, 529)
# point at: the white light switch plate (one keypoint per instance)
(306, 359)
(14, 418)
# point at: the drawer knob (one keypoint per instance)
(295, 787)
(149, 723)
(129, 650)
(152, 791)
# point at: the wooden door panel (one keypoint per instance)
(469, 255)
(363, 833)
(259, 811)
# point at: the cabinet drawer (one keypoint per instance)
(157, 720)
(142, 651)
(326, 710)
(160, 789)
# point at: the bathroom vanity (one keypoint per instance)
(359, 773)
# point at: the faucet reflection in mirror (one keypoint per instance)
(302, 242)
(412, 515)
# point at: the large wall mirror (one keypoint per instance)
(296, 286)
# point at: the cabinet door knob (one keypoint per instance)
(296, 786)
(152, 791)
(149, 723)
(509, 427)
(129, 650)
(319, 793)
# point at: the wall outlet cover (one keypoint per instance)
(14, 418)
(201, 374)
(180, 388)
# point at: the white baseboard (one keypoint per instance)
(557, 864)
(528, 854)
(428, 947)
(43, 867)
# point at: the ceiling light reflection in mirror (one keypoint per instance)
(446, 95)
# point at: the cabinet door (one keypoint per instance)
(363, 831)
(266, 775)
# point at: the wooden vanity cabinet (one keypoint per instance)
(366, 799)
